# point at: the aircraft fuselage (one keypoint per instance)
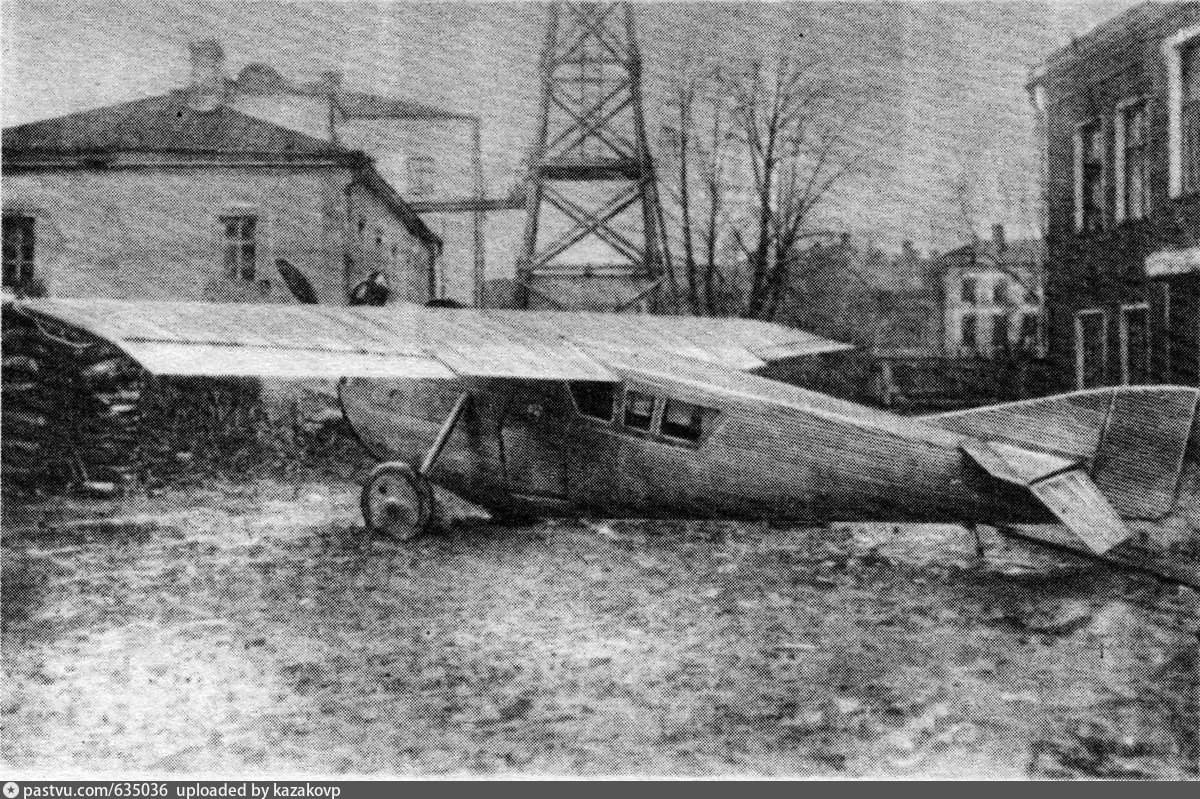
(662, 445)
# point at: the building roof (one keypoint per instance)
(1135, 24)
(160, 124)
(166, 125)
(259, 78)
(1015, 252)
(359, 105)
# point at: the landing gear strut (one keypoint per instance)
(398, 500)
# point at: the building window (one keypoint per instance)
(1030, 332)
(1000, 324)
(969, 290)
(421, 176)
(1089, 176)
(1135, 344)
(1000, 292)
(240, 246)
(1091, 348)
(1189, 117)
(1133, 195)
(1182, 52)
(18, 251)
(1182, 339)
(969, 332)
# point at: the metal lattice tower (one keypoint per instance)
(594, 227)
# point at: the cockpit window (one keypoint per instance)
(683, 420)
(639, 410)
(594, 399)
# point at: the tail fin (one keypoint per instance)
(1131, 441)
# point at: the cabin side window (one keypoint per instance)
(683, 420)
(639, 410)
(594, 399)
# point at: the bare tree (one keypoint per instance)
(755, 152)
(699, 141)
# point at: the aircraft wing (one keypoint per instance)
(1062, 485)
(405, 341)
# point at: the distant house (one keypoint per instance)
(187, 196)
(992, 297)
(1120, 111)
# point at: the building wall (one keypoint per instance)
(156, 233)
(1105, 269)
(426, 160)
(399, 144)
(379, 242)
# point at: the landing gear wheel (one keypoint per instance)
(397, 502)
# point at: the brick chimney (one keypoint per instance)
(206, 92)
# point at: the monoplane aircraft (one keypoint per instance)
(574, 414)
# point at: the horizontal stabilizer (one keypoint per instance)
(1015, 464)
(1060, 484)
(1078, 503)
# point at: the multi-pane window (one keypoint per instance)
(1190, 117)
(1091, 177)
(18, 250)
(240, 246)
(1135, 166)
(421, 175)
(1135, 344)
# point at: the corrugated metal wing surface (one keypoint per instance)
(411, 341)
(205, 360)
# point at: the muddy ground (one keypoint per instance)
(239, 629)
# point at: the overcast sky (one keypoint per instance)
(948, 78)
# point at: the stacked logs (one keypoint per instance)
(78, 414)
(70, 409)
